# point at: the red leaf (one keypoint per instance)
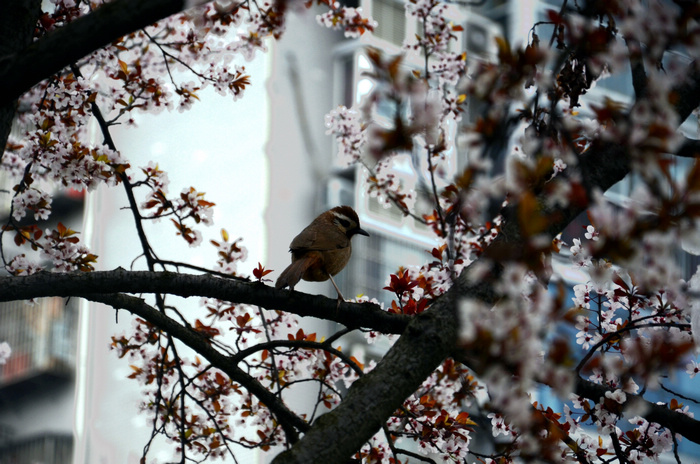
(261, 272)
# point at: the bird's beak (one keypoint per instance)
(361, 232)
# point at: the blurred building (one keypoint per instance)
(37, 384)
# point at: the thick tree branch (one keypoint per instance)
(690, 148)
(639, 76)
(17, 20)
(374, 397)
(674, 421)
(353, 315)
(688, 94)
(20, 71)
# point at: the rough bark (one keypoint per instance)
(352, 315)
(21, 69)
(17, 20)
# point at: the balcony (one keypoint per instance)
(42, 336)
(44, 449)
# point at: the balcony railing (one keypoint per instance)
(42, 336)
(43, 449)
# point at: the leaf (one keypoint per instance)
(357, 363)
(530, 216)
(243, 319)
(206, 330)
(618, 280)
(261, 272)
(504, 53)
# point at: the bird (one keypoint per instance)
(322, 249)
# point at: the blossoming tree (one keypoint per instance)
(479, 326)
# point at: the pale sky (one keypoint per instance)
(216, 147)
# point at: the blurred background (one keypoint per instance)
(267, 163)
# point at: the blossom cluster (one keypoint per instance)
(229, 253)
(437, 31)
(189, 206)
(56, 147)
(5, 352)
(216, 411)
(349, 19)
(346, 126)
(434, 415)
(59, 250)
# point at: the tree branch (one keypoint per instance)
(639, 76)
(672, 420)
(17, 20)
(21, 70)
(374, 397)
(353, 315)
(690, 148)
(688, 94)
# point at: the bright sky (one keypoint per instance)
(216, 147)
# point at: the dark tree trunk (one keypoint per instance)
(17, 21)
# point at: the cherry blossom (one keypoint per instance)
(5, 352)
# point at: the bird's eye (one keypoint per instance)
(344, 222)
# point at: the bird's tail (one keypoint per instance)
(292, 275)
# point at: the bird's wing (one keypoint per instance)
(310, 239)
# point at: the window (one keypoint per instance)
(42, 338)
(391, 18)
(374, 259)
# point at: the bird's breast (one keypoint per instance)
(335, 260)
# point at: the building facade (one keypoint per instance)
(37, 383)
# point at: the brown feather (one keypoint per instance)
(310, 239)
(294, 272)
